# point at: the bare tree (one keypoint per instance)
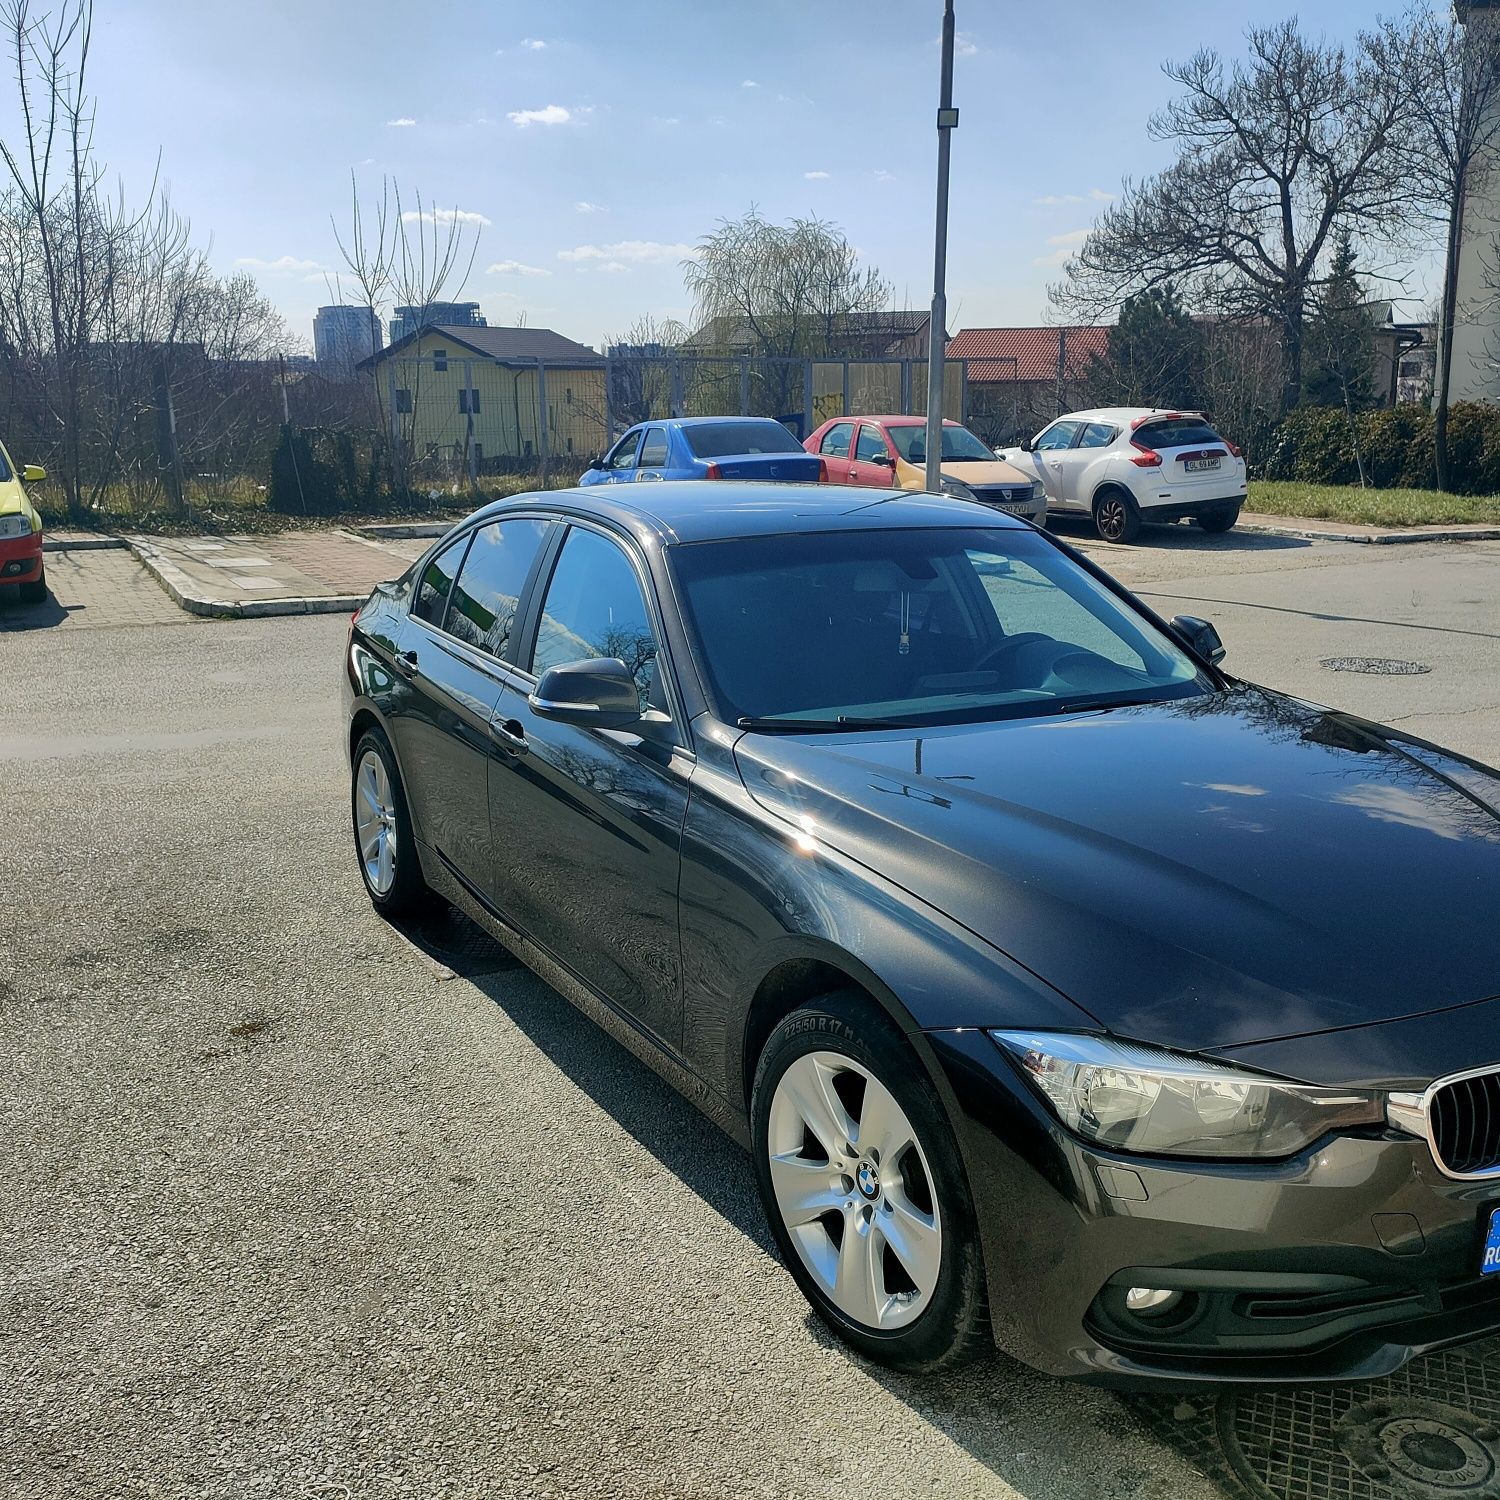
(1272, 154)
(1451, 74)
(413, 258)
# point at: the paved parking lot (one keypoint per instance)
(297, 1209)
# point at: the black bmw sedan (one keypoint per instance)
(1061, 986)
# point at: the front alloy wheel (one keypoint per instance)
(862, 1185)
(854, 1190)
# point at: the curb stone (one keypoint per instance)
(1384, 538)
(179, 586)
(405, 530)
(84, 543)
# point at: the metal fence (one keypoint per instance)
(455, 415)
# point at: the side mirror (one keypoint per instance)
(598, 693)
(1026, 444)
(33, 473)
(1200, 636)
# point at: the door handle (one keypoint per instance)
(407, 663)
(510, 735)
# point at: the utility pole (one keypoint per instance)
(947, 122)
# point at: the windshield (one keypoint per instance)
(5, 469)
(959, 444)
(729, 439)
(914, 626)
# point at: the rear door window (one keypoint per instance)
(1098, 435)
(435, 583)
(654, 449)
(871, 445)
(482, 608)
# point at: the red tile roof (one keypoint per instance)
(1025, 353)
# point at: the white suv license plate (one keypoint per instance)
(1198, 465)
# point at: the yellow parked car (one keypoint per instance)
(21, 564)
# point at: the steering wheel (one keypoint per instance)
(1004, 649)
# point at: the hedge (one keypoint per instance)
(1314, 445)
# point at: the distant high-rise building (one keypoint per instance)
(344, 335)
(449, 314)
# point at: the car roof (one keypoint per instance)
(1124, 414)
(890, 419)
(700, 421)
(683, 510)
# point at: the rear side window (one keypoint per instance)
(483, 607)
(654, 450)
(1176, 432)
(836, 440)
(435, 582)
(1097, 435)
(728, 439)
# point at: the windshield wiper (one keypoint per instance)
(827, 726)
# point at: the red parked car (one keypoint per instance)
(891, 453)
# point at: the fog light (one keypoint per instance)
(1150, 1299)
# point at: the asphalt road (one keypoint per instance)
(293, 1211)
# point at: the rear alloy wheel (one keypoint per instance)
(35, 592)
(382, 831)
(1117, 518)
(860, 1177)
(1220, 518)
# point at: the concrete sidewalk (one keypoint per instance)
(293, 573)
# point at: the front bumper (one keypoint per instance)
(1340, 1264)
(21, 558)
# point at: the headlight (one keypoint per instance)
(1038, 490)
(957, 488)
(14, 526)
(1131, 1098)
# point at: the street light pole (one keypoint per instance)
(947, 120)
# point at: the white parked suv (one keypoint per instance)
(1128, 464)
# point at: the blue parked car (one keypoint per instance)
(706, 448)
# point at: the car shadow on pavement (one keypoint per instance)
(1174, 536)
(17, 616)
(1432, 1428)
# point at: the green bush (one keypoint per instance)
(323, 472)
(1314, 445)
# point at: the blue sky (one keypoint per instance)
(598, 138)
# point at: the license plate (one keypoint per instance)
(1490, 1264)
(1015, 510)
(1196, 465)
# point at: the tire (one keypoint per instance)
(1117, 518)
(1220, 518)
(391, 871)
(915, 1296)
(35, 592)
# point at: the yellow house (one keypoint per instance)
(452, 393)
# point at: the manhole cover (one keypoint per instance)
(1430, 1430)
(456, 943)
(1376, 666)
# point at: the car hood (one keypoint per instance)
(981, 472)
(1200, 873)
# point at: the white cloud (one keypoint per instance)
(402, 123)
(444, 216)
(583, 206)
(533, 44)
(749, 83)
(282, 265)
(666, 121)
(613, 266)
(1100, 196)
(1064, 247)
(817, 176)
(1072, 237)
(636, 252)
(881, 175)
(964, 45)
(1057, 258)
(553, 114)
(515, 268)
